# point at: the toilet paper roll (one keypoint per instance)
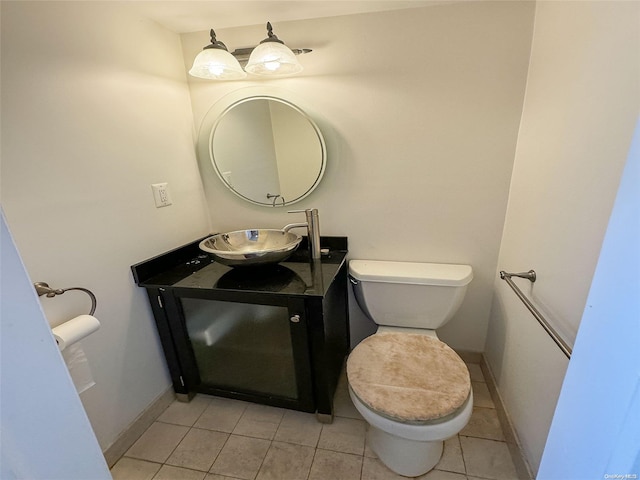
(78, 366)
(75, 330)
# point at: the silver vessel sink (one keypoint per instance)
(251, 247)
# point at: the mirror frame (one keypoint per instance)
(216, 114)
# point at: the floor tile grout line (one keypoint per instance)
(208, 470)
(218, 454)
(272, 440)
(225, 442)
(315, 451)
(482, 438)
(263, 459)
(464, 463)
(174, 448)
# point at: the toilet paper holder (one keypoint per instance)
(43, 288)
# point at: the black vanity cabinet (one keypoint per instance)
(276, 335)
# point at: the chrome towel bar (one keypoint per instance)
(531, 276)
(43, 288)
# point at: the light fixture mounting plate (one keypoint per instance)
(243, 54)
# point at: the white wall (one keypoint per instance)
(595, 432)
(580, 109)
(95, 108)
(33, 423)
(421, 109)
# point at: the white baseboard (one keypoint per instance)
(522, 467)
(129, 436)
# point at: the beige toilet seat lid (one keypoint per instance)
(408, 377)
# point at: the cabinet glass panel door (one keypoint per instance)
(242, 346)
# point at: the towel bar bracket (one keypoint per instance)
(531, 276)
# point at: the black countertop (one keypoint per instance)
(190, 268)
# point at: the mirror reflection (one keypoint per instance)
(267, 151)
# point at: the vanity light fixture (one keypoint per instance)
(215, 62)
(273, 58)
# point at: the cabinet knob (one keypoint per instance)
(295, 318)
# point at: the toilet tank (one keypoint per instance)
(408, 294)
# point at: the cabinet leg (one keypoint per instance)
(185, 397)
(324, 417)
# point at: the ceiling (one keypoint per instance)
(183, 16)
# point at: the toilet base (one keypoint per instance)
(409, 458)
(419, 448)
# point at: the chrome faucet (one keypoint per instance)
(313, 229)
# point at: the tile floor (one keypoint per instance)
(214, 438)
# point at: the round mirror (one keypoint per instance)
(267, 151)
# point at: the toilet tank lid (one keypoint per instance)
(445, 274)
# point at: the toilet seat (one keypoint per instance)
(409, 378)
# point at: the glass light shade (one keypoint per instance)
(216, 64)
(273, 59)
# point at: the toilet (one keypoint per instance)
(412, 389)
